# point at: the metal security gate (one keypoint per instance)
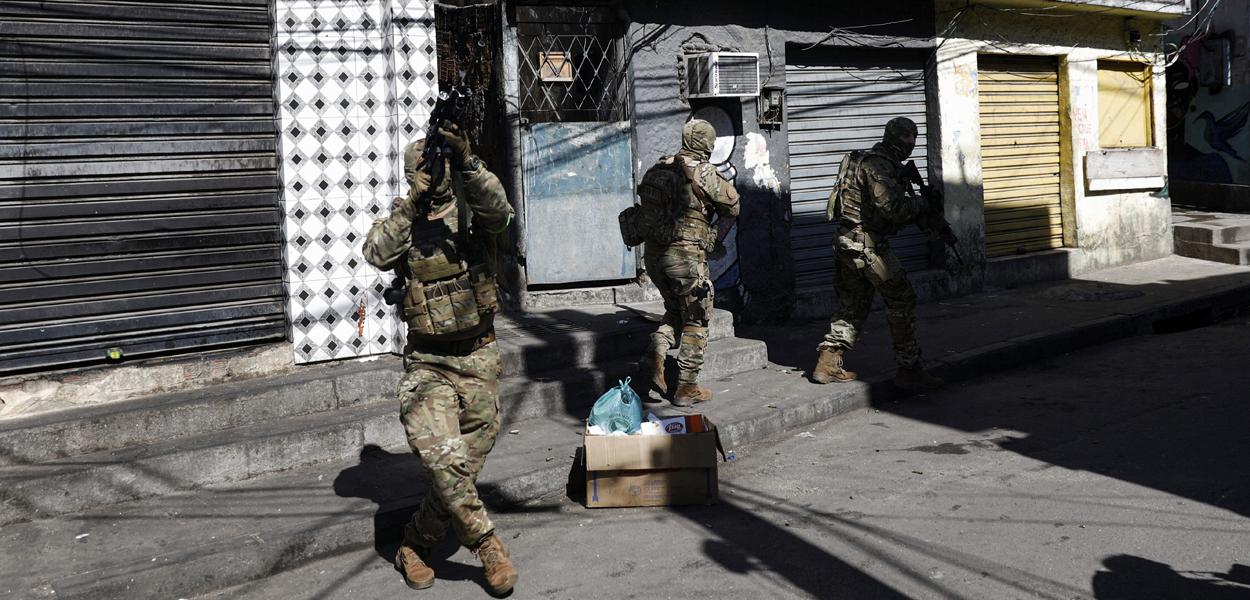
(138, 187)
(577, 149)
(1019, 99)
(834, 106)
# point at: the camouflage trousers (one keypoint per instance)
(681, 273)
(861, 270)
(449, 406)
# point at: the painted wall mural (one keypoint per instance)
(1208, 132)
(725, 265)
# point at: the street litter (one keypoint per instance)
(617, 410)
(662, 461)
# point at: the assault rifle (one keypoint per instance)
(934, 197)
(447, 109)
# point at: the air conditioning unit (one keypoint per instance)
(722, 74)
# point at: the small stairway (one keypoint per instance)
(1217, 237)
(146, 465)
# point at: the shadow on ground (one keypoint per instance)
(1127, 577)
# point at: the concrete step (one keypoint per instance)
(532, 345)
(573, 391)
(142, 421)
(1211, 233)
(1234, 253)
(97, 479)
(190, 543)
(555, 339)
(1233, 234)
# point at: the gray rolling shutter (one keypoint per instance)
(138, 180)
(833, 107)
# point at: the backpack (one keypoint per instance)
(836, 205)
(662, 203)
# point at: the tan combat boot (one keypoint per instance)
(653, 367)
(690, 393)
(829, 367)
(501, 576)
(917, 379)
(417, 574)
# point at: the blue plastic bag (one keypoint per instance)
(618, 409)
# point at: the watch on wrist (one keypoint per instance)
(472, 163)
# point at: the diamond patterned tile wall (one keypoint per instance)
(356, 81)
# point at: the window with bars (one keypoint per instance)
(571, 72)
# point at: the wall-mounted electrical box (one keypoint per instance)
(770, 109)
(722, 74)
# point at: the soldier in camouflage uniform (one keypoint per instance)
(444, 250)
(680, 269)
(876, 203)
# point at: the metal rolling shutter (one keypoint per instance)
(831, 109)
(138, 180)
(1019, 100)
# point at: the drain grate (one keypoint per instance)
(516, 330)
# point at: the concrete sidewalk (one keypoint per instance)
(196, 541)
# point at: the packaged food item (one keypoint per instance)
(676, 425)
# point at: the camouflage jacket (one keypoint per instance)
(886, 201)
(722, 199)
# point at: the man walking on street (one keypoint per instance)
(441, 243)
(872, 202)
(677, 261)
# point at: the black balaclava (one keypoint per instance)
(893, 139)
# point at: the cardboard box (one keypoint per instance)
(651, 470)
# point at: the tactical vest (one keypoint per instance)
(846, 203)
(451, 279)
(694, 227)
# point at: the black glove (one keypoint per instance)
(456, 139)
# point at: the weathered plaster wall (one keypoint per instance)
(1105, 229)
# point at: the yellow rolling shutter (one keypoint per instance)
(1020, 154)
(1123, 105)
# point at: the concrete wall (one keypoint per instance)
(1102, 229)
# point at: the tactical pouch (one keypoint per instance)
(694, 228)
(417, 310)
(485, 294)
(844, 200)
(451, 308)
(447, 308)
(631, 230)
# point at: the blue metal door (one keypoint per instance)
(577, 178)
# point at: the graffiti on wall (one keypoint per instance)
(1208, 132)
(725, 266)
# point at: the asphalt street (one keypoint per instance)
(1120, 472)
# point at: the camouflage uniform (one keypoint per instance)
(680, 270)
(865, 261)
(448, 396)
